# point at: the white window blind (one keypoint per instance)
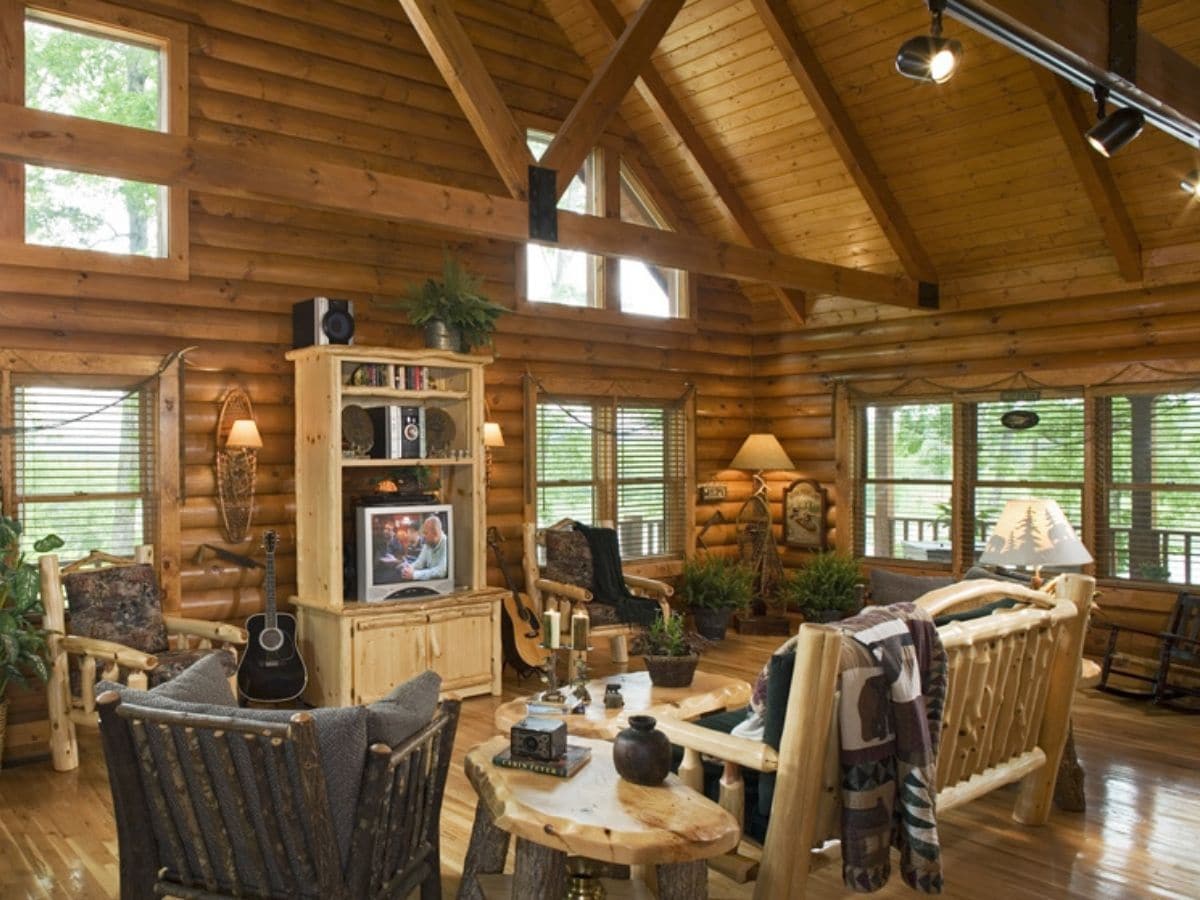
(906, 455)
(1153, 487)
(605, 460)
(84, 466)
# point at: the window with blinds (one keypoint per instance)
(84, 466)
(621, 461)
(906, 455)
(1152, 487)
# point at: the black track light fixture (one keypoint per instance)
(1115, 130)
(930, 57)
(1191, 184)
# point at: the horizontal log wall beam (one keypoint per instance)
(49, 139)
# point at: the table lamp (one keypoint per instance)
(761, 451)
(1034, 533)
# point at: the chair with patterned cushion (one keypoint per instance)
(570, 581)
(104, 614)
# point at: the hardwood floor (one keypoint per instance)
(1140, 836)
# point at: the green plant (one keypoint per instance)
(456, 301)
(22, 643)
(828, 581)
(713, 582)
(666, 637)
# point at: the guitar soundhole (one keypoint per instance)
(271, 639)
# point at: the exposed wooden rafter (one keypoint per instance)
(48, 139)
(458, 61)
(609, 85)
(1072, 121)
(653, 89)
(806, 69)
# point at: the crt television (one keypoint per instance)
(405, 552)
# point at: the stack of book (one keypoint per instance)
(571, 762)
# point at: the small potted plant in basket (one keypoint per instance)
(714, 588)
(671, 654)
(456, 316)
(827, 588)
(22, 642)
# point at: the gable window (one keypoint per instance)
(88, 60)
(616, 460)
(576, 278)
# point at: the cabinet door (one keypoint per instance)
(388, 649)
(460, 645)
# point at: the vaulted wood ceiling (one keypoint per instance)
(982, 184)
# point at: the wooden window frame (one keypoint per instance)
(45, 366)
(107, 20)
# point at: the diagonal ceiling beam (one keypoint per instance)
(818, 89)
(608, 87)
(44, 138)
(1072, 121)
(654, 90)
(463, 70)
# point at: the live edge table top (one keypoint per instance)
(707, 693)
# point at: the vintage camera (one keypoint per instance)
(534, 738)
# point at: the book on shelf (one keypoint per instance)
(574, 760)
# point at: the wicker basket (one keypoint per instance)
(672, 671)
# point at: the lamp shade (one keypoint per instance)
(1034, 533)
(761, 451)
(492, 435)
(244, 433)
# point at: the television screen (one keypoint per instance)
(405, 552)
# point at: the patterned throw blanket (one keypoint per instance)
(893, 683)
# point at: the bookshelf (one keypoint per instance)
(356, 652)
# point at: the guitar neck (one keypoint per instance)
(272, 618)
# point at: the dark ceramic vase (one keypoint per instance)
(642, 753)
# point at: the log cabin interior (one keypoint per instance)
(705, 220)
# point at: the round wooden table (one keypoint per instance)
(596, 815)
(707, 693)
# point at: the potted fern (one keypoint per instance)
(455, 315)
(22, 642)
(827, 588)
(714, 588)
(670, 653)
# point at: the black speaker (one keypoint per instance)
(322, 321)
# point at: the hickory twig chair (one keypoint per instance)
(572, 591)
(1011, 678)
(1172, 669)
(78, 658)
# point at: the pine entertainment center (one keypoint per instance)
(356, 652)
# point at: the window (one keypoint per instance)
(1127, 453)
(575, 278)
(615, 460)
(89, 60)
(84, 465)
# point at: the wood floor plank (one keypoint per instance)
(1138, 838)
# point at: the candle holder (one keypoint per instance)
(553, 692)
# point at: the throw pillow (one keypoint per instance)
(405, 711)
(568, 557)
(204, 681)
(896, 587)
(121, 604)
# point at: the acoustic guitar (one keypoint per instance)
(271, 670)
(520, 629)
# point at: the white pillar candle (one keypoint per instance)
(552, 626)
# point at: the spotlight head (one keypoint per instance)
(1191, 184)
(1116, 130)
(929, 57)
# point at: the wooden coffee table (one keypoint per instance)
(707, 693)
(596, 815)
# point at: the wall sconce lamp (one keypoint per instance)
(1191, 184)
(492, 437)
(1113, 131)
(238, 443)
(930, 57)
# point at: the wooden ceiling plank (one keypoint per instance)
(462, 68)
(658, 96)
(43, 138)
(608, 87)
(818, 89)
(1072, 121)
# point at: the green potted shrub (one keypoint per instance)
(714, 588)
(455, 315)
(22, 642)
(828, 587)
(671, 654)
